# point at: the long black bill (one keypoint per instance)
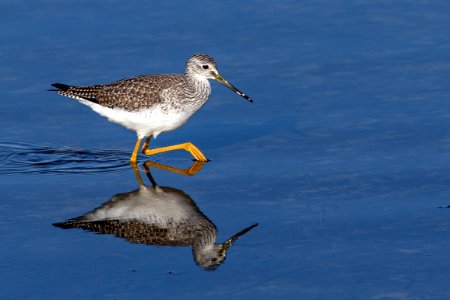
(230, 86)
(234, 238)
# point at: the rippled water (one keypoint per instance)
(21, 158)
(342, 161)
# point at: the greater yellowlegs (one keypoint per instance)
(157, 215)
(152, 104)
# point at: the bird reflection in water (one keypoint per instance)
(161, 216)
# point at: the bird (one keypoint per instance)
(160, 216)
(153, 104)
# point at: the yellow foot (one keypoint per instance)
(191, 171)
(189, 147)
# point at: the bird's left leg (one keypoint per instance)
(189, 147)
(145, 146)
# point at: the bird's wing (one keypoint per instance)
(129, 94)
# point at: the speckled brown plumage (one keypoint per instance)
(150, 234)
(148, 228)
(145, 91)
(132, 93)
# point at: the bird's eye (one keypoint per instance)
(205, 67)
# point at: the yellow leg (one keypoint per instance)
(145, 146)
(189, 147)
(133, 158)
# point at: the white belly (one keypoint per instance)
(145, 122)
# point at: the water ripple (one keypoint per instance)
(23, 158)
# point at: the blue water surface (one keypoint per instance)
(343, 159)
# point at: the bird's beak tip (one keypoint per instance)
(220, 79)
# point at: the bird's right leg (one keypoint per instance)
(133, 158)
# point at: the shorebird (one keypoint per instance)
(161, 216)
(152, 104)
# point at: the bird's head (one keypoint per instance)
(204, 67)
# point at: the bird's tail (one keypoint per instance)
(60, 87)
(89, 93)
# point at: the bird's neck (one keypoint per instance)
(200, 86)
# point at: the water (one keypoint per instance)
(343, 159)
